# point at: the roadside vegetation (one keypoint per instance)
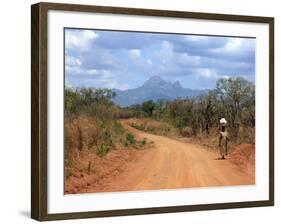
(155, 127)
(96, 142)
(92, 126)
(233, 99)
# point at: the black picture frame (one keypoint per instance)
(39, 108)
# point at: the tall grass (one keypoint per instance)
(91, 124)
(154, 127)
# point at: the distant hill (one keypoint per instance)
(154, 89)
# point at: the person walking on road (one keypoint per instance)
(223, 140)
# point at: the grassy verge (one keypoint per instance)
(154, 127)
(85, 136)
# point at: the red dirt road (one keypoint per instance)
(175, 164)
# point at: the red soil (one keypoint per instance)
(169, 164)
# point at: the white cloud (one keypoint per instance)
(149, 61)
(79, 39)
(107, 59)
(109, 83)
(76, 70)
(167, 46)
(72, 61)
(166, 53)
(233, 44)
(195, 37)
(134, 53)
(209, 74)
(206, 73)
(187, 59)
(97, 82)
(91, 57)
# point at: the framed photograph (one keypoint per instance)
(141, 111)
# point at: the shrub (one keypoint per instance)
(155, 127)
(102, 150)
(143, 142)
(130, 139)
(81, 133)
(187, 132)
(68, 173)
(140, 127)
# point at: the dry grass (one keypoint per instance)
(243, 156)
(90, 171)
(154, 127)
(91, 146)
(81, 133)
(211, 140)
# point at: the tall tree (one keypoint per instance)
(148, 107)
(234, 94)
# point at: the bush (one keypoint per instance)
(187, 132)
(117, 128)
(85, 133)
(143, 142)
(80, 133)
(154, 127)
(130, 139)
(102, 150)
(138, 126)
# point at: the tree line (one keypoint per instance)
(232, 98)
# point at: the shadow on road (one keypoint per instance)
(219, 158)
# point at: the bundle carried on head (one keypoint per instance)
(223, 122)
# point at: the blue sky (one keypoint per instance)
(125, 60)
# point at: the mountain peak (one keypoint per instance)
(154, 88)
(154, 81)
(155, 78)
(177, 84)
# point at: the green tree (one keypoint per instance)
(72, 102)
(148, 107)
(180, 111)
(207, 110)
(234, 94)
